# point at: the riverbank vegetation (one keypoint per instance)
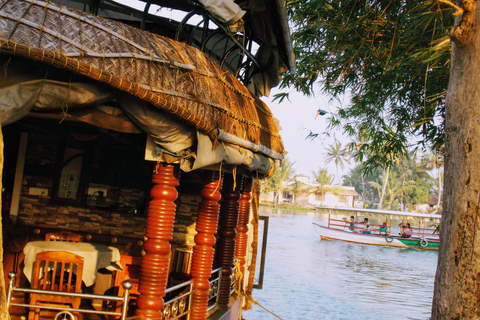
(411, 182)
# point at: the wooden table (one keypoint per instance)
(96, 256)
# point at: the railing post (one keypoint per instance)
(226, 243)
(203, 252)
(190, 301)
(11, 284)
(159, 231)
(127, 285)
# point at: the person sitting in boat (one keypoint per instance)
(366, 227)
(352, 223)
(384, 229)
(406, 231)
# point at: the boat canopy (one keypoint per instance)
(384, 212)
(69, 65)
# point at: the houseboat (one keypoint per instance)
(142, 137)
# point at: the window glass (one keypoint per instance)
(71, 173)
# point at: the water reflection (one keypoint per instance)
(306, 278)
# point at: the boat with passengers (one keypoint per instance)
(415, 230)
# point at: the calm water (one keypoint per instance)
(306, 278)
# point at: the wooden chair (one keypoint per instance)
(131, 272)
(56, 271)
(63, 236)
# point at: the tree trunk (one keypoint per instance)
(338, 176)
(390, 203)
(363, 189)
(380, 204)
(457, 282)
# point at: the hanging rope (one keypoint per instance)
(248, 297)
(258, 304)
(219, 179)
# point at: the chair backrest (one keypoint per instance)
(63, 236)
(58, 271)
(35, 308)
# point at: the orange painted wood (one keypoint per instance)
(131, 271)
(226, 242)
(203, 252)
(159, 233)
(56, 271)
(63, 236)
(242, 228)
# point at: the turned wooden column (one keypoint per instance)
(226, 242)
(159, 232)
(242, 229)
(203, 252)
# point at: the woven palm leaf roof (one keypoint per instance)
(170, 75)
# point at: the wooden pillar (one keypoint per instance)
(242, 229)
(159, 232)
(226, 243)
(203, 252)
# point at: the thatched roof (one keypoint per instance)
(168, 74)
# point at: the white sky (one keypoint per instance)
(297, 119)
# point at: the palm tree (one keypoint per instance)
(322, 178)
(298, 188)
(381, 187)
(397, 187)
(337, 154)
(355, 149)
(283, 172)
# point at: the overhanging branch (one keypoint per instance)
(463, 33)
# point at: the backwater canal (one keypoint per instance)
(308, 278)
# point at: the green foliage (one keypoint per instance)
(420, 195)
(434, 161)
(337, 154)
(298, 188)
(398, 187)
(358, 179)
(406, 182)
(396, 206)
(276, 183)
(322, 177)
(390, 57)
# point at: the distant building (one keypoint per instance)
(359, 203)
(330, 196)
(333, 196)
(430, 206)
